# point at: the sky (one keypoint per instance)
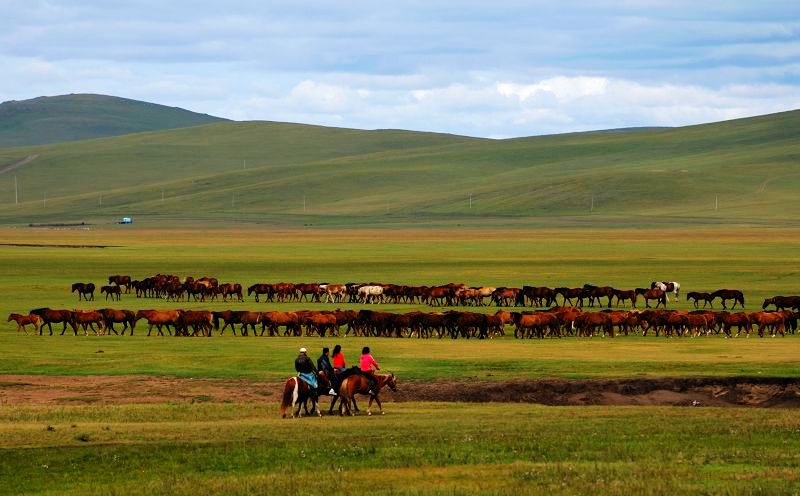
(493, 69)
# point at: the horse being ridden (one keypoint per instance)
(358, 384)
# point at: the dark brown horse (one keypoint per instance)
(729, 294)
(358, 384)
(121, 281)
(50, 317)
(112, 291)
(260, 289)
(782, 302)
(124, 317)
(623, 295)
(697, 297)
(83, 290)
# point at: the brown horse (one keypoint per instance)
(696, 296)
(358, 384)
(729, 294)
(112, 291)
(782, 302)
(623, 295)
(23, 320)
(655, 294)
(159, 318)
(87, 319)
(124, 317)
(121, 281)
(50, 317)
(83, 290)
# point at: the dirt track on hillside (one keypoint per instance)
(720, 392)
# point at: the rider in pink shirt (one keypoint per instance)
(367, 362)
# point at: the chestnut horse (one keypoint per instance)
(23, 320)
(358, 384)
(112, 291)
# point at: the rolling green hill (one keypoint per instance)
(742, 171)
(61, 118)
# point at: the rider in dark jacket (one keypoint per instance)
(324, 365)
(303, 364)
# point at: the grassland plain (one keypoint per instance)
(760, 261)
(417, 448)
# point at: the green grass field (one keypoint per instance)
(425, 448)
(417, 448)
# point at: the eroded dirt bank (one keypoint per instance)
(721, 392)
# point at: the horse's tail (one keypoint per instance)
(290, 393)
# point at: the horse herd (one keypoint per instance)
(172, 288)
(559, 321)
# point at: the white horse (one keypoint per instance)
(667, 286)
(370, 293)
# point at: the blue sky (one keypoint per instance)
(495, 69)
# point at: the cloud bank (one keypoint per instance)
(501, 69)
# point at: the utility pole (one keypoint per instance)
(16, 191)
(470, 201)
(304, 203)
(716, 202)
(45, 199)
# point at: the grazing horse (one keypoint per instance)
(50, 317)
(84, 289)
(706, 297)
(729, 294)
(23, 320)
(112, 291)
(358, 384)
(655, 294)
(667, 287)
(297, 392)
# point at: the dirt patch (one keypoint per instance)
(719, 392)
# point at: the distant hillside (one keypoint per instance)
(54, 119)
(744, 171)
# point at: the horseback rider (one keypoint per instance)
(324, 365)
(306, 370)
(367, 362)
